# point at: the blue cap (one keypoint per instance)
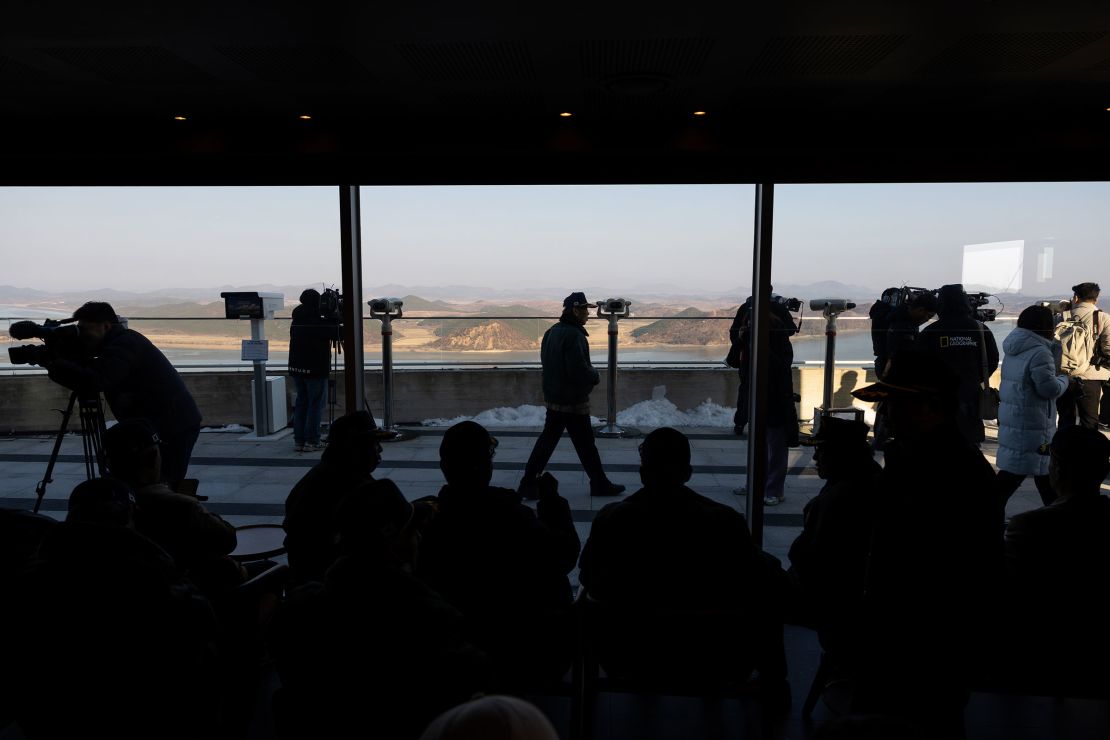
(575, 299)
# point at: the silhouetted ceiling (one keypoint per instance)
(455, 92)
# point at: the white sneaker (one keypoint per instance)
(741, 491)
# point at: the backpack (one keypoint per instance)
(1079, 342)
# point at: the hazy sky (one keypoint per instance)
(688, 237)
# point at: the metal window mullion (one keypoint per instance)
(350, 232)
(757, 368)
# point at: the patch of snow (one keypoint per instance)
(235, 428)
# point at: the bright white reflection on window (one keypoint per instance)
(995, 267)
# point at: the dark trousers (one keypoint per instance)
(740, 418)
(1080, 399)
(177, 448)
(1104, 413)
(581, 435)
(308, 407)
(1007, 483)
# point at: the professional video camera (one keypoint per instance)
(791, 304)
(331, 305)
(59, 342)
(981, 299)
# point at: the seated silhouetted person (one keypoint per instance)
(492, 718)
(198, 540)
(504, 566)
(1058, 558)
(680, 580)
(120, 645)
(352, 454)
(373, 648)
(828, 560)
(936, 567)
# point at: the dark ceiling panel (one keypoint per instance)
(17, 73)
(1103, 66)
(985, 54)
(482, 60)
(800, 56)
(605, 104)
(129, 64)
(677, 57)
(298, 64)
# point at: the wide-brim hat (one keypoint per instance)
(912, 373)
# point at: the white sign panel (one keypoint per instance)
(256, 349)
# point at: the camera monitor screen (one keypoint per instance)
(243, 305)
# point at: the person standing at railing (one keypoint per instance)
(568, 378)
(310, 338)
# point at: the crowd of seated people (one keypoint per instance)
(397, 611)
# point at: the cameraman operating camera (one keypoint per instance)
(311, 334)
(137, 381)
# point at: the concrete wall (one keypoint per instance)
(29, 402)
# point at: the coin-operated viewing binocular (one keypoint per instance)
(390, 307)
(613, 307)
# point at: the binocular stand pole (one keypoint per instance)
(610, 429)
(388, 433)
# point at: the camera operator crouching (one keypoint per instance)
(137, 381)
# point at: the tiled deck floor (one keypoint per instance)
(247, 480)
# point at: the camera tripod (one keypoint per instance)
(91, 413)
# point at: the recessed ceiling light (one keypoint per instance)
(180, 118)
(305, 117)
(565, 114)
(699, 113)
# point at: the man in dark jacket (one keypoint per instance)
(501, 564)
(568, 378)
(828, 560)
(699, 597)
(310, 525)
(740, 339)
(905, 323)
(310, 338)
(936, 560)
(137, 381)
(967, 347)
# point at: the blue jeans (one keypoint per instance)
(307, 408)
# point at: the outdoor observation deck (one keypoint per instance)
(246, 481)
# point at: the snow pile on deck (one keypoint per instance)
(657, 412)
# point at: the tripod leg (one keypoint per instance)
(40, 489)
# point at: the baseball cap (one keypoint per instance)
(129, 437)
(838, 432)
(575, 299)
(351, 426)
(1076, 443)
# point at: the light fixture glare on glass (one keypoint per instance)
(565, 114)
(179, 118)
(699, 113)
(305, 117)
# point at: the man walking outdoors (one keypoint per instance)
(568, 378)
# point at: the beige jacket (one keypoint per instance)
(1082, 311)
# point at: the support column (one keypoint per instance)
(757, 369)
(350, 231)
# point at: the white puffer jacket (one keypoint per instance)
(1030, 387)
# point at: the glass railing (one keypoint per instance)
(205, 343)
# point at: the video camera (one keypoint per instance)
(331, 305)
(792, 305)
(59, 342)
(981, 299)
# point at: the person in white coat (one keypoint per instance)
(1031, 384)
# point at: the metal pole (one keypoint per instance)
(612, 395)
(350, 256)
(757, 369)
(610, 429)
(387, 371)
(261, 421)
(830, 359)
